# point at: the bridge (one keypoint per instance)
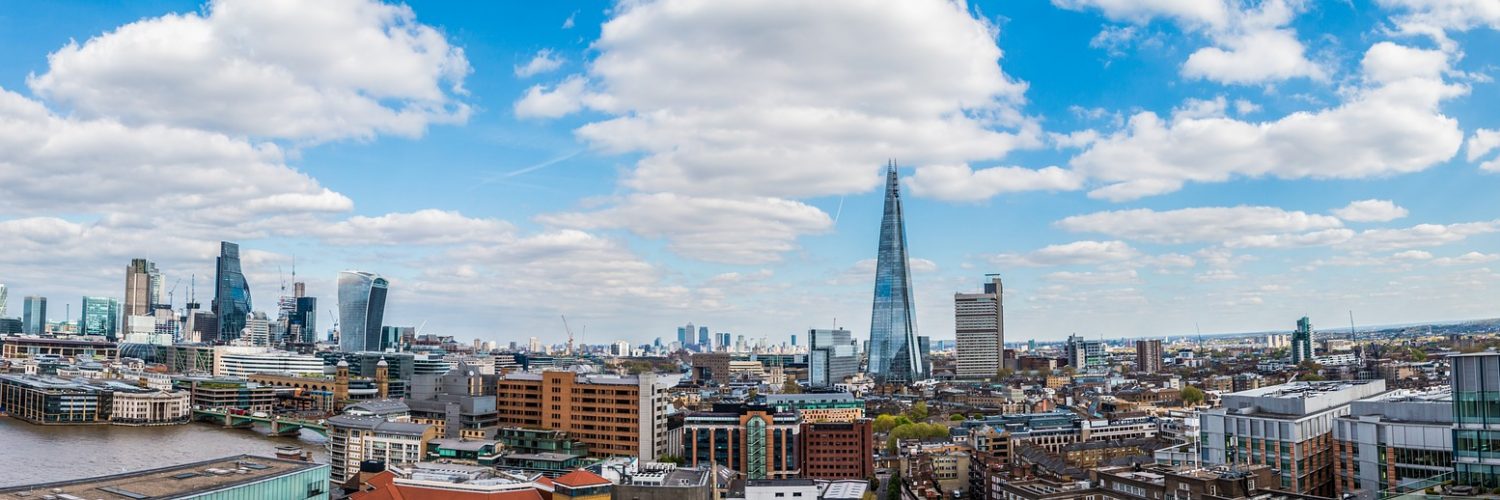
(280, 426)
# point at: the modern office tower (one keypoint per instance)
(705, 342)
(739, 344)
(979, 331)
(231, 293)
(101, 316)
(392, 338)
(894, 356)
(203, 326)
(4, 297)
(924, 350)
(830, 357)
(257, 329)
(1084, 354)
(1302, 341)
(725, 342)
(534, 345)
(304, 320)
(1476, 418)
(1288, 427)
(1148, 356)
(755, 441)
(1400, 438)
(142, 288)
(34, 315)
(682, 336)
(361, 310)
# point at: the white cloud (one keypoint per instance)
(1075, 253)
(739, 231)
(1434, 17)
(1371, 211)
(542, 101)
(1467, 259)
(771, 99)
(1125, 276)
(1245, 107)
(961, 183)
(1391, 127)
(1292, 240)
(1421, 235)
(1482, 143)
(305, 71)
(543, 62)
(1204, 224)
(423, 227)
(1204, 13)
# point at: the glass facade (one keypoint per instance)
(101, 316)
(894, 356)
(34, 321)
(1476, 419)
(231, 292)
(361, 310)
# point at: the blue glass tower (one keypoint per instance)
(231, 292)
(361, 310)
(894, 355)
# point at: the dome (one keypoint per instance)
(382, 363)
(343, 363)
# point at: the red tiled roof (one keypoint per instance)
(581, 478)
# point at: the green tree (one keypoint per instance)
(1311, 377)
(1192, 395)
(1418, 355)
(1005, 373)
(885, 423)
(791, 386)
(918, 412)
(956, 417)
(893, 488)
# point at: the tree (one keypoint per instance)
(956, 417)
(791, 386)
(1005, 373)
(1418, 355)
(1311, 377)
(918, 412)
(893, 488)
(885, 423)
(1192, 396)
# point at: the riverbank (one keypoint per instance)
(39, 453)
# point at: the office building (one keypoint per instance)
(830, 357)
(454, 481)
(725, 342)
(1148, 356)
(53, 401)
(101, 317)
(683, 339)
(819, 407)
(756, 441)
(257, 330)
(242, 361)
(705, 342)
(837, 450)
(302, 326)
(979, 328)
(32, 347)
(894, 354)
(134, 406)
(34, 316)
(231, 293)
(615, 416)
(1476, 419)
(203, 326)
(361, 310)
(11, 326)
(1084, 355)
(1288, 427)
(228, 478)
(1302, 341)
(4, 299)
(142, 288)
(223, 392)
(353, 439)
(1395, 442)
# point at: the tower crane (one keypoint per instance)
(570, 333)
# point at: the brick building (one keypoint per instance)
(837, 450)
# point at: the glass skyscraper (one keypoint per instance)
(101, 316)
(361, 310)
(231, 292)
(34, 316)
(894, 355)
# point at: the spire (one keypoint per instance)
(893, 351)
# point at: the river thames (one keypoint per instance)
(37, 454)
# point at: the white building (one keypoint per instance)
(979, 329)
(151, 407)
(241, 361)
(1397, 439)
(352, 439)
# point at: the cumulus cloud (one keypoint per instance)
(1393, 125)
(423, 227)
(1095, 277)
(1435, 17)
(961, 183)
(543, 62)
(274, 69)
(1481, 144)
(1371, 211)
(1421, 235)
(1204, 224)
(1074, 253)
(739, 231)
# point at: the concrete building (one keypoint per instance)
(979, 327)
(135, 406)
(664, 481)
(1288, 427)
(1084, 355)
(352, 439)
(54, 401)
(142, 288)
(615, 416)
(228, 478)
(830, 357)
(210, 392)
(1399, 440)
(756, 441)
(837, 450)
(1148, 356)
(243, 361)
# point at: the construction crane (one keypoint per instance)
(172, 294)
(570, 333)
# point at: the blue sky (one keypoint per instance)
(1129, 168)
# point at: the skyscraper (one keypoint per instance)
(1302, 341)
(894, 355)
(830, 357)
(4, 296)
(1084, 354)
(979, 331)
(34, 320)
(142, 282)
(705, 342)
(101, 316)
(361, 310)
(231, 292)
(1148, 356)
(682, 337)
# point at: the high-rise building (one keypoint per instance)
(894, 355)
(725, 343)
(1302, 341)
(34, 315)
(705, 341)
(979, 331)
(1084, 354)
(1148, 355)
(361, 310)
(304, 320)
(1476, 418)
(924, 356)
(142, 288)
(101, 316)
(830, 357)
(682, 336)
(4, 296)
(231, 292)
(258, 329)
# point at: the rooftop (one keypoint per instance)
(167, 482)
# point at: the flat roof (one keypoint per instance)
(168, 482)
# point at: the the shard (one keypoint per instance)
(894, 354)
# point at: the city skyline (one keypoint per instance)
(1123, 170)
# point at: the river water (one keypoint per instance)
(38, 454)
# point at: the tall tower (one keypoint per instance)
(893, 332)
(361, 310)
(231, 292)
(34, 320)
(141, 278)
(1302, 341)
(4, 295)
(979, 331)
